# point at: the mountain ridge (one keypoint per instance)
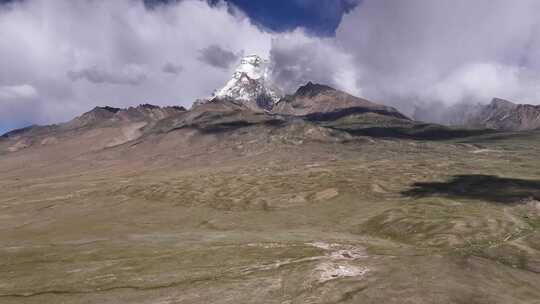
(316, 100)
(109, 126)
(505, 115)
(106, 126)
(251, 85)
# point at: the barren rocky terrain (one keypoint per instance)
(260, 212)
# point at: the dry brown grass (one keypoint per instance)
(232, 218)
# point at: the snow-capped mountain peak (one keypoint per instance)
(250, 85)
(253, 66)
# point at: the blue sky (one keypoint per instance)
(320, 17)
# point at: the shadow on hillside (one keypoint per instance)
(337, 114)
(488, 188)
(497, 137)
(227, 126)
(420, 132)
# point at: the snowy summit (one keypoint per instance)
(250, 85)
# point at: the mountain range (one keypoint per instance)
(504, 115)
(499, 114)
(250, 99)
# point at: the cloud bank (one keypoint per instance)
(445, 51)
(17, 92)
(297, 59)
(423, 53)
(61, 58)
(65, 57)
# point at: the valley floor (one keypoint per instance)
(367, 221)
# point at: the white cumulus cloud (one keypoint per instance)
(77, 54)
(17, 92)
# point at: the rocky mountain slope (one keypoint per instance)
(504, 115)
(500, 114)
(321, 102)
(248, 99)
(101, 127)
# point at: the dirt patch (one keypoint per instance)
(129, 133)
(18, 146)
(378, 188)
(331, 270)
(326, 194)
(49, 141)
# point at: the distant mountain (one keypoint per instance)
(499, 114)
(99, 128)
(250, 85)
(251, 88)
(236, 106)
(321, 102)
(505, 115)
(248, 100)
